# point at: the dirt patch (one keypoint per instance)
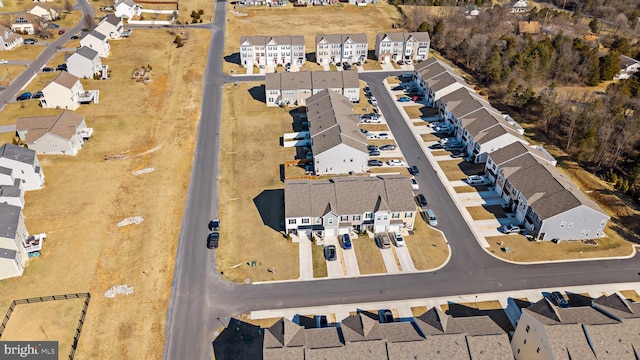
(470, 189)
(429, 137)
(319, 261)
(374, 127)
(631, 295)
(486, 212)
(369, 256)
(427, 246)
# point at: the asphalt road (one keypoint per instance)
(202, 302)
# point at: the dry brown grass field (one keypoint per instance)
(427, 246)
(152, 125)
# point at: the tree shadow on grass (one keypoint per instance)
(258, 93)
(270, 205)
(233, 58)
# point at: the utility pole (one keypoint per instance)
(8, 73)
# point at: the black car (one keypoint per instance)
(37, 95)
(413, 170)
(24, 96)
(557, 297)
(387, 316)
(75, 37)
(331, 253)
(61, 67)
(214, 225)
(212, 240)
(30, 41)
(372, 147)
(388, 147)
(422, 201)
(436, 146)
(48, 69)
(322, 321)
(374, 152)
(375, 163)
(346, 66)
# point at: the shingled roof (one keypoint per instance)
(63, 125)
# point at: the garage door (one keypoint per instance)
(343, 230)
(379, 228)
(329, 232)
(387, 58)
(394, 227)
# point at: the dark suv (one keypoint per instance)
(24, 96)
(212, 240)
(422, 201)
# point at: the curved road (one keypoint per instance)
(202, 302)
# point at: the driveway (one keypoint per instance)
(389, 261)
(404, 257)
(334, 268)
(350, 262)
(304, 254)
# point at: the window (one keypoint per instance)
(330, 221)
(318, 220)
(527, 328)
(385, 217)
(563, 224)
(368, 216)
(408, 214)
(356, 217)
(395, 215)
(292, 221)
(603, 222)
(306, 221)
(570, 225)
(344, 218)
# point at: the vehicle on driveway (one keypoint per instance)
(48, 69)
(373, 101)
(4, 61)
(374, 153)
(331, 253)
(510, 229)
(346, 241)
(414, 184)
(416, 98)
(476, 179)
(386, 316)
(75, 37)
(212, 240)
(398, 240)
(24, 96)
(321, 321)
(372, 121)
(383, 240)
(30, 41)
(422, 200)
(346, 66)
(557, 297)
(61, 67)
(371, 135)
(395, 162)
(37, 95)
(383, 136)
(287, 67)
(61, 32)
(375, 163)
(372, 147)
(214, 225)
(387, 147)
(54, 25)
(436, 146)
(404, 99)
(413, 170)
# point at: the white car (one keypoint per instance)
(509, 229)
(414, 184)
(383, 135)
(371, 135)
(396, 162)
(398, 240)
(373, 121)
(4, 61)
(443, 141)
(476, 179)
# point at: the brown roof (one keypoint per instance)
(463, 102)
(65, 79)
(63, 125)
(361, 327)
(361, 350)
(284, 333)
(341, 38)
(401, 332)
(318, 80)
(403, 36)
(490, 347)
(322, 338)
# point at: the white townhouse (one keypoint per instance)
(84, 63)
(62, 134)
(11, 190)
(25, 165)
(349, 204)
(272, 50)
(341, 48)
(13, 237)
(456, 104)
(9, 40)
(293, 88)
(402, 46)
(65, 91)
(111, 26)
(337, 144)
(436, 79)
(45, 12)
(127, 9)
(98, 42)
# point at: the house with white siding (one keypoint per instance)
(25, 165)
(11, 190)
(127, 9)
(272, 50)
(9, 40)
(337, 144)
(349, 204)
(27, 24)
(402, 46)
(341, 48)
(45, 12)
(436, 79)
(84, 63)
(13, 237)
(65, 91)
(61, 134)
(111, 26)
(98, 42)
(293, 88)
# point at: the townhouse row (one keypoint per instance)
(546, 203)
(333, 48)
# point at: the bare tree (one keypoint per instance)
(68, 6)
(89, 22)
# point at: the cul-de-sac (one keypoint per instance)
(319, 179)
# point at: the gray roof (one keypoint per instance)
(326, 79)
(276, 40)
(361, 327)
(96, 34)
(284, 333)
(9, 219)
(87, 52)
(509, 152)
(295, 80)
(332, 122)
(441, 81)
(272, 81)
(463, 102)
(131, 3)
(436, 322)
(549, 314)
(401, 332)
(18, 153)
(284, 353)
(112, 19)
(425, 63)
(362, 350)
(322, 338)
(481, 120)
(618, 306)
(403, 36)
(568, 342)
(318, 80)
(615, 341)
(341, 38)
(348, 195)
(7, 254)
(6, 170)
(490, 347)
(11, 190)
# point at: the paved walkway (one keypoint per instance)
(7, 128)
(304, 254)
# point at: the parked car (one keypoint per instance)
(458, 154)
(4, 61)
(346, 66)
(287, 67)
(61, 32)
(54, 25)
(372, 147)
(414, 184)
(374, 153)
(30, 41)
(443, 128)
(47, 69)
(383, 240)
(395, 162)
(387, 147)
(212, 240)
(406, 75)
(422, 200)
(387, 316)
(37, 95)
(404, 99)
(366, 89)
(413, 170)
(61, 67)
(371, 135)
(431, 216)
(372, 121)
(24, 96)
(331, 253)
(75, 37)
(321, 321)
(557, 297)
(364, 131)
(445, 141)
(400, 62)
(398, 240)
(375, 163)
(476, 179)
(346, 241)
(436, 146)
(416, 98)
(214, 225)
(383, 136)
(373, 101)
(510, 229)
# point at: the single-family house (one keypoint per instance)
(84, 63)
(27, 24)
(547, 203)
(349, 204)
(12, 194)
(13, 236)
(628, 67)
(293, 88)
(608, 329)
(9, 40)
(98, 42)
(402, 46)
(65, 91)
(45, 12)
(337, 144)
(436, 79)
(25, 165)
(127, 9)
(111, 26)
(62, 134)
(272, 50)
(518, 6)
(341, 48)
